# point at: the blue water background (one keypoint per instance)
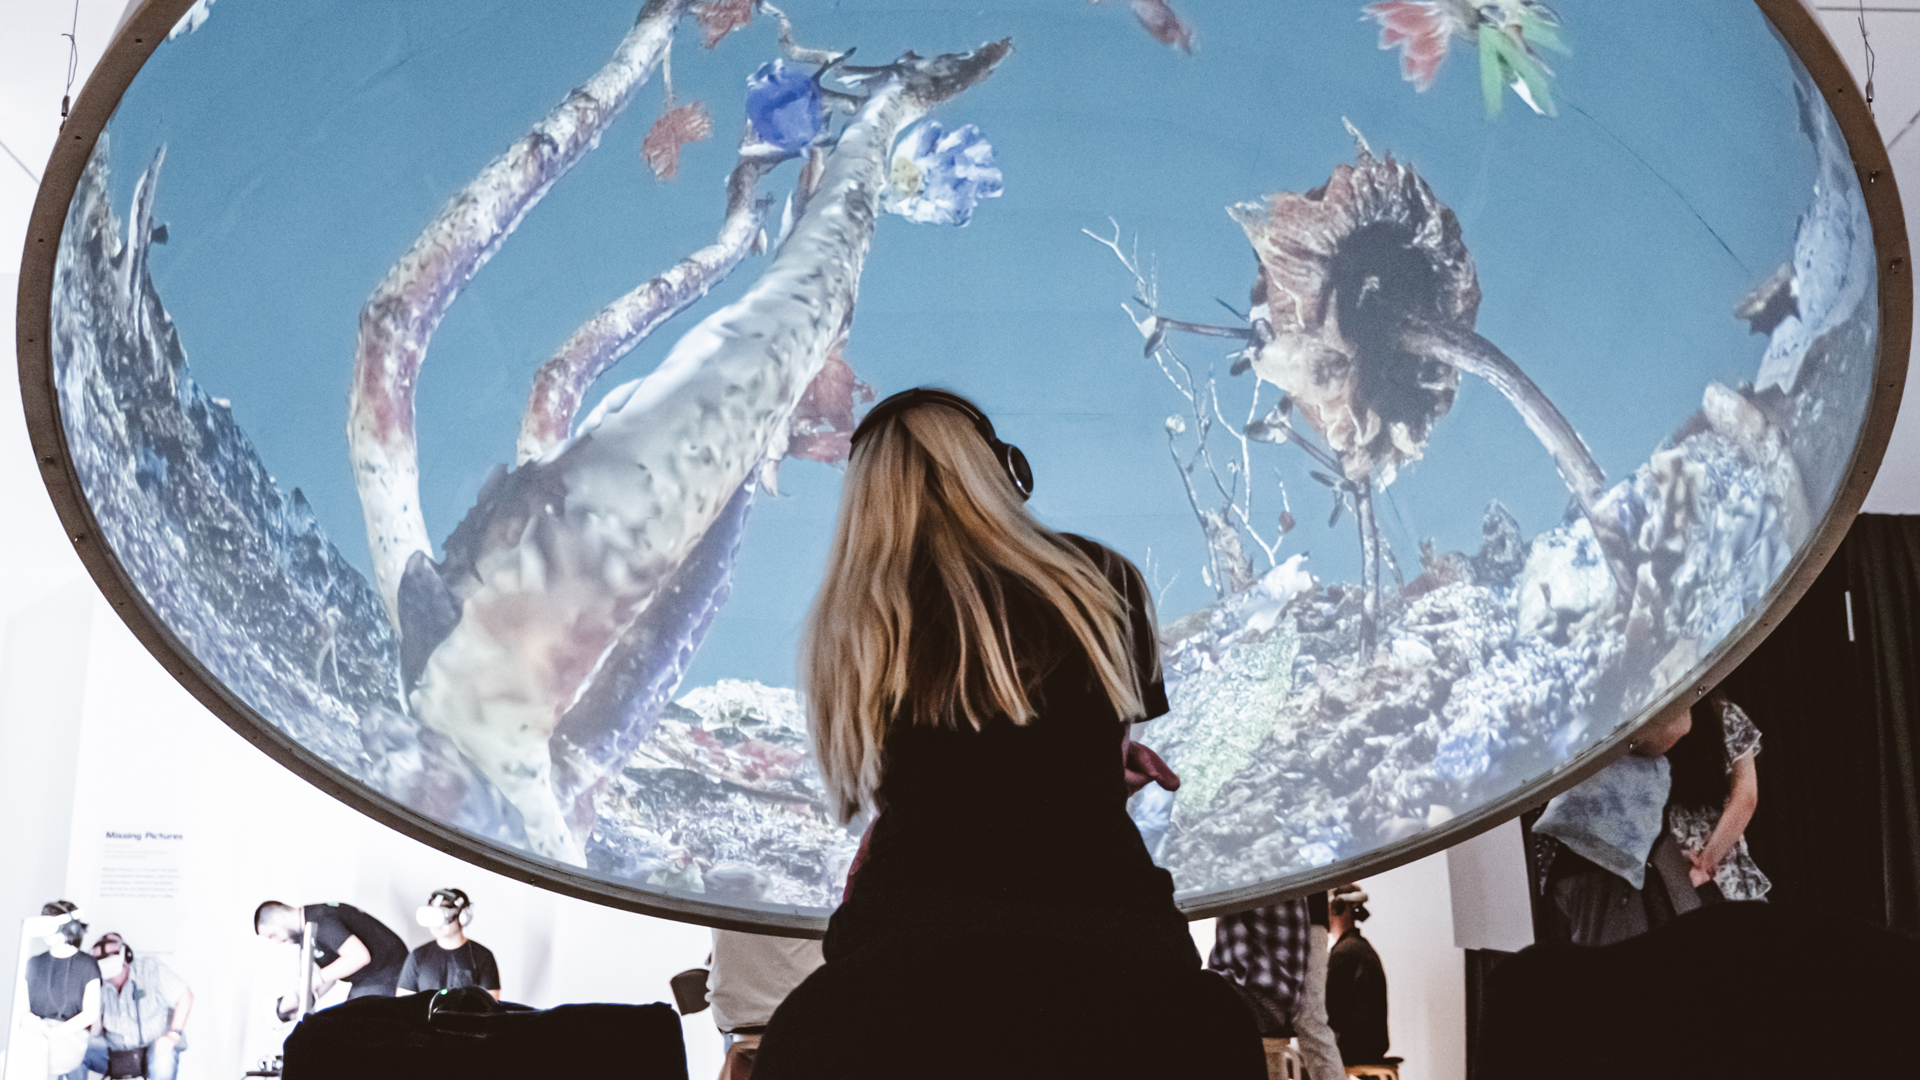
(308, 145)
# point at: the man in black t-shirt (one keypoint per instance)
(1356, 983)
(451, 960)
(348, 946)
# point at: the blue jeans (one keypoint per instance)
(163, 1059)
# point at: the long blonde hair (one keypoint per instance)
(924, 496)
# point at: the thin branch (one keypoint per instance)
(792, 51)
(562, 381)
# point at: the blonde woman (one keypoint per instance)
(971, 675)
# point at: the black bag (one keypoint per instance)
(689, 990)
(127, 1064)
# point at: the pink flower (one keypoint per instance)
(718, 18)
(1421, 28)
(675, 129)
(822, 425)
(1165, 24)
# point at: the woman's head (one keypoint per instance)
(1699, 760)
(1658, 735)
(911, 619)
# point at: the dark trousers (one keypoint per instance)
(1587, 905)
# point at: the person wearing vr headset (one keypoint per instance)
(348, 946)
(973, 676)
(143, 1014)
(1356, 983)
(452, 959)
(63, 988)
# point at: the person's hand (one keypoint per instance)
(170, 1038)
(1703, 870)
(1144, 766)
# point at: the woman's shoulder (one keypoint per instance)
(1116, 567)
(1743, 737)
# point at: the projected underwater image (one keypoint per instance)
(466, 387)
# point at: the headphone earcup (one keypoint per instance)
(1015, 463)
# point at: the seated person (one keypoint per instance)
(63, 989)
(348, 946)
(143, 1010)
(752, 973)
(452, 959)
(973, 676)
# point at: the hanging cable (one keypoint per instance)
(1911, 121)
(1866, 43)
(73, 62)
(17, 161)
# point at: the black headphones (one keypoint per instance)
(71, 927)
(126, 950)
(1007, 454)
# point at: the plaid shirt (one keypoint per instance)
(138, 1013)
(1264, 953)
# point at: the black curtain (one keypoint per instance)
(1833, 693)
(1883, 572)
(1834, 690)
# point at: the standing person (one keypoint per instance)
(1277, 956)
(1715, 792)
(348, 946)
(452, 959)
(1356, 983)
(63, 989)
(143, 1012)
(751, 973)
(1613, 870)
(973, 675)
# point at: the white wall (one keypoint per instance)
(1487, 880)
(153, 761)
(1412, 930)
(1893, 32)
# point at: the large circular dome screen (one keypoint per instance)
(457, 396)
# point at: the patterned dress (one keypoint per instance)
(1738, 877)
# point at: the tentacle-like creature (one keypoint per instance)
(563, 380)
(398, 320)
(553, 570)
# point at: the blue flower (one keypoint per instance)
(939, 177)
(784, 107)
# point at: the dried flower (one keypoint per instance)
(939, 177)
(676, 128)
(1345, 269)
(784, 107)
